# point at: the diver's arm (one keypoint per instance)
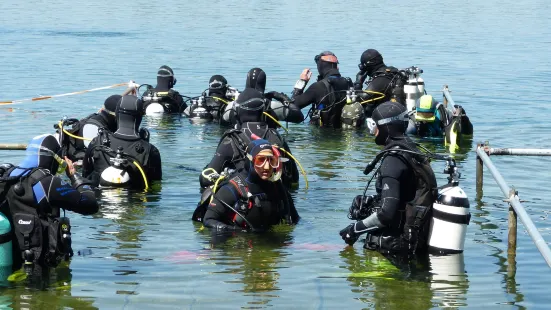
(360, 79)
(218, 214)
(308, 97)
(154, 166)
(294, 114)
(391, 172)
(78, 197)
(179, 101)
(223, 154)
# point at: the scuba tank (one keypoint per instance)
(352, 115)
(6, 258)
(279, 109)
(115, 175)
(154, 107)
(414, 87)
(198, 112)
(450, 215)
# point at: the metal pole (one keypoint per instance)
(517, 206)
(448, 98)
(525, 152)
(11, 147)
(512, 240)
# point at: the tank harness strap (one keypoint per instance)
(331, 92)
(453, 218)
(246, 203)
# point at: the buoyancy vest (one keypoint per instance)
(133, 149)
(36, 224)
(410, 234)
(395, 87)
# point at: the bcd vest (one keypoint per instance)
(410, 234)
(328, 112)
(135, 149)
(165, 98)
(36, 225)
(395, 87)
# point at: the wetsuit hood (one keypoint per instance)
(250, 105)
(129, 116)
(327, 64)
(109, 109)
(392, 121)
(371, 61)
(42, 152)
(256, 78)
(165, 78)
(218, 86)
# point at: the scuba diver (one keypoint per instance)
(34, 197)
(429, 118)
(230, 153)
(385, 80)
(396, 218)
(252, 198)
(124, 158)
(163, 98)
(327, 96)
(432, 119)
(87, 128)
(279, 106)
(211, 106)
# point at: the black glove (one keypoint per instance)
(144, 134)
(361, 207)
(277, 96)
(348, 234)
(360, 78)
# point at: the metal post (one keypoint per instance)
(523, 152)
(11, 147)
(518, 208)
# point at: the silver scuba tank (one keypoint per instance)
(414, 87)
(198, 112)
(450, 216)
(154, 107)
(115, 175)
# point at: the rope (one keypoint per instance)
(62, 95)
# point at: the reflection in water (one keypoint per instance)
(50, 290)
(397, 283)
(255, 257)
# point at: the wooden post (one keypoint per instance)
(479, 170)
(512, 237)
(12, 146)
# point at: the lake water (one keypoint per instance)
(141, 251)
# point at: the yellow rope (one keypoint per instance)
(143, 174)
(298, 163)
(60, 124)
(372, 99)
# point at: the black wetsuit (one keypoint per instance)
(269, 204)
(319, 94)
(380, 83)
(230, 154)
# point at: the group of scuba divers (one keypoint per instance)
(246, 186)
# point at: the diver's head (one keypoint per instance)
(425, 109)
(44, 152)
(326, 61)
(391, 121)
(108, 111)
(165, 78)
(218, 85)
(129, 116)
(256, 78)
(250, 105)
(265, 159)
(370, 61)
